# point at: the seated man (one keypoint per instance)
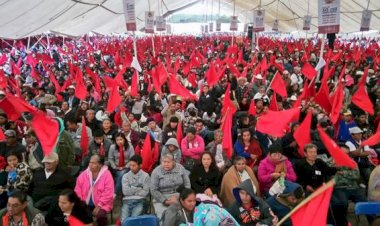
(98, 145)
(346, 188)
(248, 209)
(135, 186)
(312, 172)
(18, 212)
(48, 182)
(283, 203)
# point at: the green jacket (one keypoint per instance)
(30, 211)
(65, 150)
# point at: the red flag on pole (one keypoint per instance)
(304, 213)
(177, 88)
(73, 221)
(337, 104)
(227, 103)
(277, 122)
(211, 75)
(302, 134)
(179, 132)
(341, 158)
(374, 139)
(227, 136)
(278, 85)
(134, 84)
(46, 130)
(114, 99)
(273, 103)
(361, 99)
(308, 71)
(80, 88)
(252, 109)
(147, 155)
(84, 139)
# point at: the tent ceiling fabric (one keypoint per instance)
(23, 18)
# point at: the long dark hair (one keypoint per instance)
(73, 198)
(213, 163)
(122, 135)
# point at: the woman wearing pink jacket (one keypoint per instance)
(95, 186)
(192, 147)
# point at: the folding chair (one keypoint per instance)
(144, 220)
(366, 208)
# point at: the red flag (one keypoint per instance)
(15, 69)
(13, 106)
(374, 139)
(84, 139)
(114, 99)
(177, 88)
(148, 157)
(227, 103)
(337, 104)
(322, 97)
(46, 130)
(73, 221)
(302, 134)
(264, 65)
(252, 109)
(134, 84)
(340, 157)
(277, 122)
(80, 88)
(3, 59)
(179, 132)
(308, 71)
(361, 99)
(317, 202)
(2, 136)
(273, 103)
(211, 76)
(3, 80)
(278, 85)
(227, 139)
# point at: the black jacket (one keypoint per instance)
(201, 180)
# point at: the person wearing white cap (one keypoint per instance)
(71, 98)
(258, 81)
(296, 77)
(48, 182)
(360, 153)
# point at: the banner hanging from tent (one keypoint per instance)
(206, 28)
(306, 23)
(258, 20)
(366, 20)
(211, 26)
(218, 26)
(328, 16)
(275, 25)
(160, 23)
(168, 28)
(130, 14)
(149, 22)
(234, 23)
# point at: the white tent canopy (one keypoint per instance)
(24, 18)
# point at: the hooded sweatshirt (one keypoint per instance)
(177, 153)
(259, 212)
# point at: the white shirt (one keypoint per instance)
(352, 146)
(48, 174)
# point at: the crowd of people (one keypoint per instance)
(152, 132)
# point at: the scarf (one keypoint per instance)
(6, 219)
(121, 157)
(101, 149)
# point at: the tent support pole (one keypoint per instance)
(37, 42)
(27, 47)
(7, 43)
(154, 51)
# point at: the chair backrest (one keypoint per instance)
(367, 208)
(145, 220)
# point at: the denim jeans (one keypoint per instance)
(118, 178)
(132, 208)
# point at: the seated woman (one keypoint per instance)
(205, 179)
(95, 186)
(274, 166)
(248, 148)
(165, 180)
(118, 156)
(181, 212)
(70, 210)
(233, 177)
(19, 174)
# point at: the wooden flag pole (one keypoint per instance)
(308, 199)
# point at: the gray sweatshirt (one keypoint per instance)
(135, 186)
